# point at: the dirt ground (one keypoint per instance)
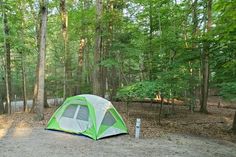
(181, 133)
(38, 142)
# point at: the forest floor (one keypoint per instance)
(181, 133)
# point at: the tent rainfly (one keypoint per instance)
(89, 115)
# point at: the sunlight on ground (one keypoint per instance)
(14, 127)
(2, 133)
(22, 132)
(227, 120)
(4, 130)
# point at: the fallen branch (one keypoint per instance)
(199, 123)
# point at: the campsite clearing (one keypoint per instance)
(196, 135)
(37, 142)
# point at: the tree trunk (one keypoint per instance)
(82, 45)
(150, 56)
(205, 63)
(160, 111)
(39, 105)
(35, 86)
(1, 106)
(87, 62)
(46, 105)
(23, 74)
(8, 63)
(38, 29)
(192, 70)
(234, 123)
(98, 50)
(23, 59)
(80, 64)
(67, 67)
(109, 74)
(23, 82)
(205, 80)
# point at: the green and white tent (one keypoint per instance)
(89, 115)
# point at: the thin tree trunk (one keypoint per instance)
(192, 70)
(86, 60)
(98, 50)
(23, 82)
(150, 40)
(82, 45)
(39, 105)
(38, 29)
(160, 111)
(205, 62)
(110, 79)
(87, 63)
(67, 67)
(8, 62)
(80, 64)
(1, 103)
(23, 73)
(234, 123)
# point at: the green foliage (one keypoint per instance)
(139, 90)
(151, 41)
(148, 89)
(228, 90)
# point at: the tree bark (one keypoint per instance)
(1, 105)
(46, 105)
(67, 67)
(82, 45)
(98, 50)
(87, 62)
(35, 92)
(23, 59)
(192, 70)
(37, 39)
(80, 64)
(7, 50)
(150, 56)
(39, 105)
(23, 82)
(234, 123)
(160, 111)
(109, 77)
(205, 62)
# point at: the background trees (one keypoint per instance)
(102, 47)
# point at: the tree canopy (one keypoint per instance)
(116, 48)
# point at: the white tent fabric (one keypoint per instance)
(100, 106)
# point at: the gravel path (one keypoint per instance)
(38, 142)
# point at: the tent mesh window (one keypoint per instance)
(81, 102)
(108, 119)
(70, 111)
(83, 113)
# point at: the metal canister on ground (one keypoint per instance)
(137, 128)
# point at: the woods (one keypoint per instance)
(96, 67)
(117, 49)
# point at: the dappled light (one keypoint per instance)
(5, 126)
(21, 132)
(142, 77)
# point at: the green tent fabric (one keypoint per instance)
(89, 115)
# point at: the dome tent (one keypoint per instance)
(89, 115)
